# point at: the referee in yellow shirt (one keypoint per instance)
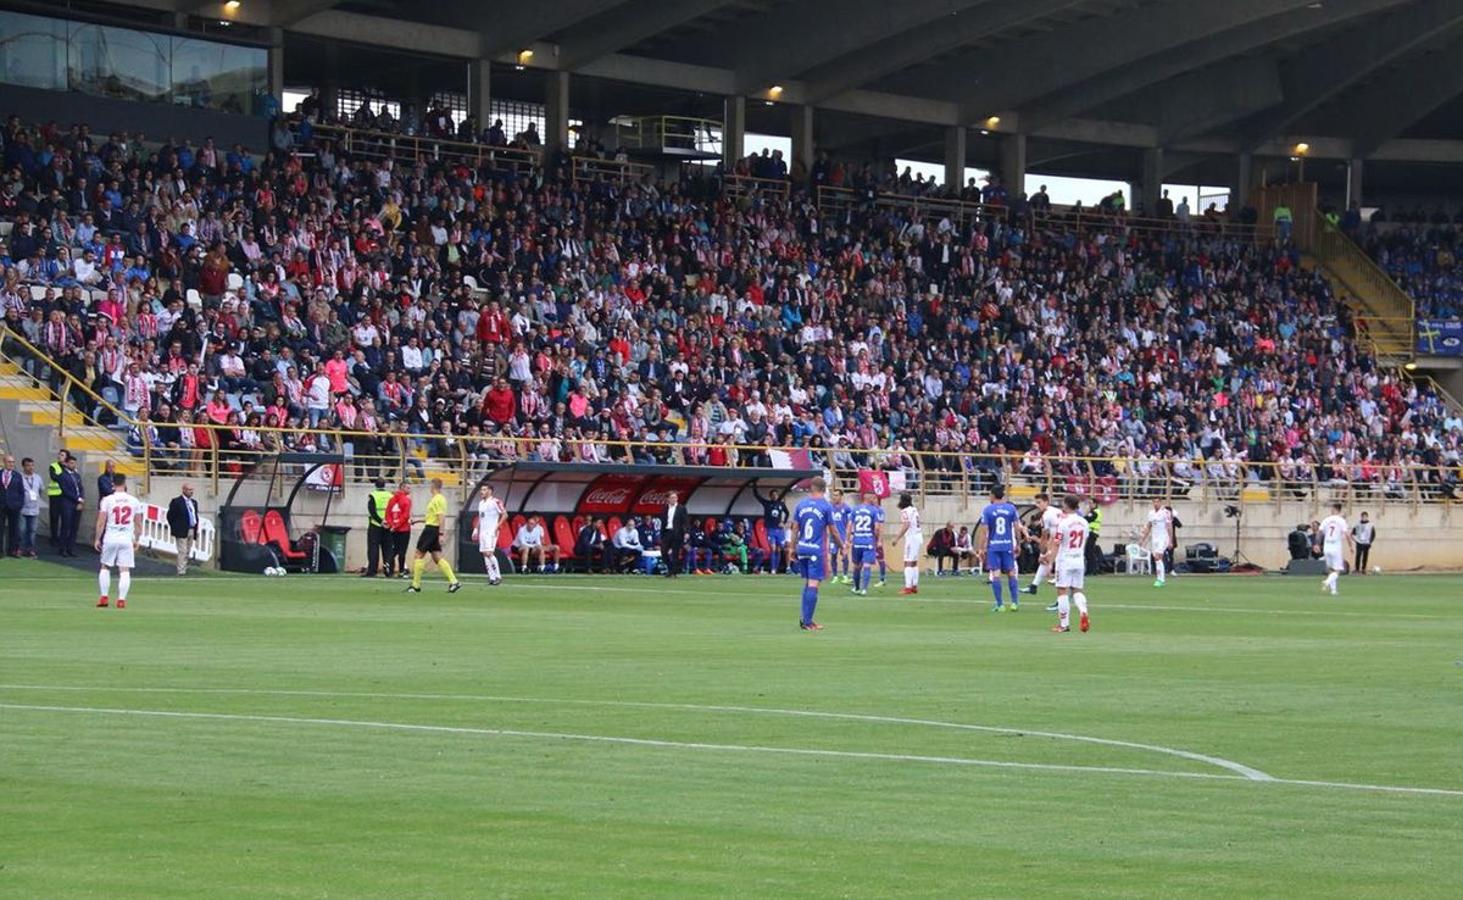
(430, 542)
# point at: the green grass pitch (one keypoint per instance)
(333, 737)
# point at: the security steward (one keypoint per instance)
(377, 540)
(53, 495)
(1094, 541)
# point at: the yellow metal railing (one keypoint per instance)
(406, 148)
(217, 453)
(685, 136)
(592, 169)
(1388, 310)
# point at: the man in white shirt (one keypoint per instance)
(1071, 565)
(1050, 516)
(118, 532)
(627, 545)
(531, 540)
(1336, 540)
(1157, 536)
(491, 514)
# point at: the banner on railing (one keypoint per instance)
(156, 535)
(1440, 337)
(329, 477)
(872, 481)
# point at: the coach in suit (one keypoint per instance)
(673, 534)
(12, 500)
(73, 497)
(183, 523)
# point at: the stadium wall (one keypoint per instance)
(1409, 538)
(157, 121)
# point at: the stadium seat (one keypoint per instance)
(277, 534)
(251, 526)
(759, 536)
(564, 536)
(612, 526)
(505, 538)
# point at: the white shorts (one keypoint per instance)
(117, 554)
(487, 541)
(913, 544)
(1158, 550)
(1335, 560)
(1070, 575)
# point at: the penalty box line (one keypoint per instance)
(713, 747)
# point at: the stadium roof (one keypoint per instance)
(1353, 78)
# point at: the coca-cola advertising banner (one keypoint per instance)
(638, 494)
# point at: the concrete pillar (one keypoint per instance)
(733, 131)
(276, 67)
(1354, 193)
(802, 137)
(1152, 184)
(480, 92)
(1239, 192)
(1013, 163)
(556, 112)
(955, 157)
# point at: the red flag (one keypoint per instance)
(872, 481)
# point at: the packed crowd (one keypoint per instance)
(334, 294)
(1423, 259)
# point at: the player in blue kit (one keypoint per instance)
(865, 523)
(812, 529)
(842, 512)
(1003, 529)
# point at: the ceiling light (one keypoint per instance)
(992, 122)
(984, 131)
(233, 6)
(775, 91)
(525, 55)
(1302, 148)
(1411, 367)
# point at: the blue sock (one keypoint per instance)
(859, 578)
(883, 571)
(996, 589)
(810, 603)
(1015, 589)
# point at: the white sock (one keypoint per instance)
(124, 581)
(104, 581)
(1158, 566)
(1081, 599)
(911, 574)
(1041, 573)
(493, 572)
(1064, 609)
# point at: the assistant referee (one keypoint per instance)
(430, 543)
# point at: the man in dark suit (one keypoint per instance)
(73, 497)
(590, 546)
(183, 523)
(673, 534)
(12, 498)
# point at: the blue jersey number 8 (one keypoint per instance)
(1000, 526)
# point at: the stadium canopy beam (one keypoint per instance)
(1198, 101)
(1389, 105)
(788, 40)
(1206, 51)
(511, 26)
(1325, 70)
(638, 21)
(918, 44)
(1020, 71)
(284, 13)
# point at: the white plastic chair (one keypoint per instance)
(195, 300)
(236, 281)
(1140, 560)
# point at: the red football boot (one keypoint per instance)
(121, 604)
(102, 602)
(1084, 622)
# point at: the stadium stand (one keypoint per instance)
(478, 306)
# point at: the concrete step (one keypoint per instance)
(23, 392)
(49, 415)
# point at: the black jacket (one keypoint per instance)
(178, 516)
(674, 531)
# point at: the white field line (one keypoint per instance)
(1237, 768)
(724, 748)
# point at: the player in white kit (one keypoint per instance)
(914, 541)
(1050, 515)
(491, 514)
(118, 531)
(1336, 543)
(1071, 566)
(1157, 536)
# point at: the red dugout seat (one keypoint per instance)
(276, 533)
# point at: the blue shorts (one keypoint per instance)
(1000, 561)
(864, 556)
(777, 536)
(810, 566)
